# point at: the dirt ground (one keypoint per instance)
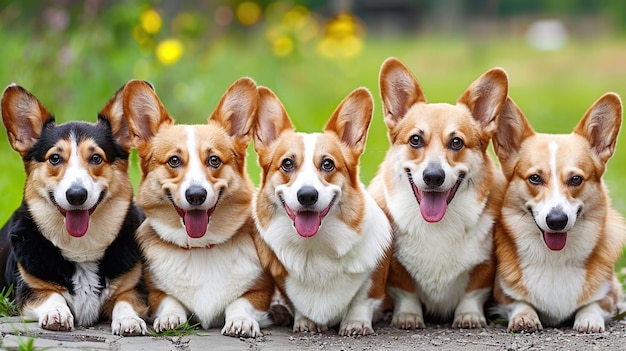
(434, 337)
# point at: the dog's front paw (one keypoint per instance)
(349, 328)
(524, 322)
(129, 326)
(304, 324)
(469, 320)
(57, 318)
(242, 327)
(168, 321)
(408, 321)
(589, 323)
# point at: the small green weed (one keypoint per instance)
(8, 307)
(182, 330)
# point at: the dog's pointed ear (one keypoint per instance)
(351, 119)
(601, 124)
(23, 116)
(272, 119)
(485, 98)
(144, 112)
(236, 110)
(113, 114)
(399, 91)
(512, 128)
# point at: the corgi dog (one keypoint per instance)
(440, 188)
(197, 239)
(71, 254)
(557, 238)
(322, 236)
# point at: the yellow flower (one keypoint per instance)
(343, 39)
(150, 21)
(283, 46)
(169, 51)
(248, 13)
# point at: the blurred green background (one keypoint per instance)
(73, 55)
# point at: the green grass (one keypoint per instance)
(554, 89)
(182, 330)
(8, 307)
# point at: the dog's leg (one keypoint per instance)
(52, 314)
(170, 314)
(242, 319)
(358, 320)
(407, 312)
(469, 312)
(125, 320)
(523, 318)
(303, 324)
(590, 319)
(246, 315)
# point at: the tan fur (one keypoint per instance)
(584, 153)
(472, 119)
(343, 141)
(231, 229)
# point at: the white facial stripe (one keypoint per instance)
(554, 174)
(308, 175)
(76, 175)
(194, 171)
(556, 199)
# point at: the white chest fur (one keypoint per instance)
(206, 280)
(554, 280)
(88, 297)
(327, 270)
(440, 256)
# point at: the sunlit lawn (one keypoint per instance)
(554, 89)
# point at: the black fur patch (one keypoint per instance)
(40, 258)
(100, 132)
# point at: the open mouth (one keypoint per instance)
(433, 204)
(555, 241)
(195, 221)
(307, 223)
(77, 220)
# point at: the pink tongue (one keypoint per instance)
(196, 222)
(307, 223)
(555, 241)
(433, 205)
(77, 222)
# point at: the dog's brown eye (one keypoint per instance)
(95, 159)
(575, 180)
(215, 161)
(328, 165)
(174, 162)
(416, 141)
(54, 159)
(456, 143)
(535, 179)
(288, 165)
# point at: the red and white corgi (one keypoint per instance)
(197, 240)
(439, 186)
(72, 257)
(324, 239)
(557, 237)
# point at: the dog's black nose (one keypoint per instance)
(195, 195)
(76, 195)
(556, 219)
(307, 195)
(434, 177)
